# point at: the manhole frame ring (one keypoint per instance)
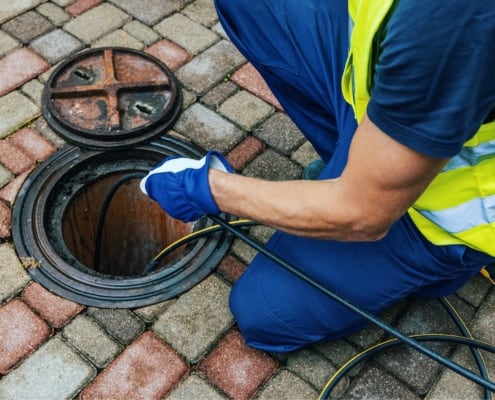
(114, 292)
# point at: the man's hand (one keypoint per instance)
(181, 187)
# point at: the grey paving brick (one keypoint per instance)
(186, 33)
(13, 277)
(246, 110)
(210, 67)
(194, 387)
(150, 11)
(371, 334)
(207, 129)
(142, 32)
(243, 251)
(287, 386)
(27, 26)
(202, 11)
(45, 75)
(7, 43)
(5, 176)
(314, 369)
(218, 29)
(43, 128)
(305, 154)
(16, 110)
(151, 313)
(54, 13)
(484, 320)
(338, 352)
(475, 290)
(451, 385)
(91, 340)
(55, 371)
(261, 233)
(216, 96)
(56, 45)
(373, 383)
(280, 133)
(33, 89)
(119, 38)
(188, 98)
(120, 323)
(97, 22)
(63, 3)
(418, 370)
(197, 319)
(16, 7)
(273, 166)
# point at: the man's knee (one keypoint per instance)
(259, 325)
(241, 306)
(258, 331)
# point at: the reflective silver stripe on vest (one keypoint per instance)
(465, 216)
(470, 156)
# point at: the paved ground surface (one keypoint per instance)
(187, 347)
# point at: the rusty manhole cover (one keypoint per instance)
(111, 98)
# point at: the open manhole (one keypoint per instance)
(71, 243)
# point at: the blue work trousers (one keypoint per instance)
(300, 48)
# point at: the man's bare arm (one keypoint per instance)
(381, 180)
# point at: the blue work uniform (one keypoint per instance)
(300, 48)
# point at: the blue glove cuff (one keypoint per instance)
(181, 186)
(197, 186)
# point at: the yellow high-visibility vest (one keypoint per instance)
(458, 207)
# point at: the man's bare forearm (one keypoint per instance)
(306, 208)
(381, 180)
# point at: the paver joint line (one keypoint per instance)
(189, 346)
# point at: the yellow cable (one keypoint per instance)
(470, 335)
(199, 232)
(386, 342)
(487, 275)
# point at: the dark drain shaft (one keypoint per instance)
(133, 229)
(56, 216)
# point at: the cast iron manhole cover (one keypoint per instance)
(115, 105)
(111, 98)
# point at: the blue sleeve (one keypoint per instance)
(434, 80)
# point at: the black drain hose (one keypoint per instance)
(103, 213)
(363, 313)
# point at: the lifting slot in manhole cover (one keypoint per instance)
(111, 98)
(116, 105)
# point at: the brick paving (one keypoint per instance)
(187, 347)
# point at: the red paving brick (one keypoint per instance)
(14, 158)
(237, 369)
(245, 152)
(56, 310)
(33, 143)
(19, 67)
(231, 268)
(9, 192)
(81, 6)
(169, 53)
(21, 332)
(147, 369)
(250, 79)
(5, 221)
